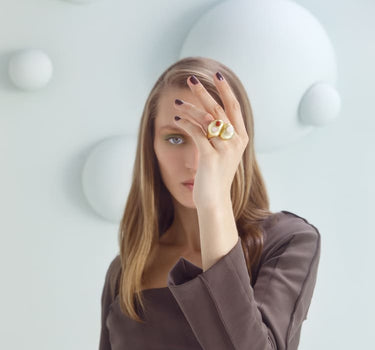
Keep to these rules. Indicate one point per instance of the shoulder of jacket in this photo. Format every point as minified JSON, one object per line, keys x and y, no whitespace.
{"x":282,"y":226}
{"x":299,"y":224}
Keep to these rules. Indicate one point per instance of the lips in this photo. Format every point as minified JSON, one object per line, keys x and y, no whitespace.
{"x":190,"y":182}
{"x":190,"y":186}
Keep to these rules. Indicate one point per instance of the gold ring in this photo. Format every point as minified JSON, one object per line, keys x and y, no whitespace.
{"x":218,"y":128}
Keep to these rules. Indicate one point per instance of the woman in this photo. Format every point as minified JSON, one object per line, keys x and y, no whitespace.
{"x":206,"y":265}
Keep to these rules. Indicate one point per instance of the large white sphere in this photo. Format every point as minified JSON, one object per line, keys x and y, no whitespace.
{"x":30,"y":69}
{"x":106,"y":176}
{"x":279,"y":50}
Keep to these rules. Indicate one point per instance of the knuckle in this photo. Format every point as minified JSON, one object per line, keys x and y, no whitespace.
{"x":244,"y":142}
{"x":217,"y":109}
{"x":208,"y":118}
{"x":236,"y":105}
{"x":244,"y":137}
{"x":188,"y":106}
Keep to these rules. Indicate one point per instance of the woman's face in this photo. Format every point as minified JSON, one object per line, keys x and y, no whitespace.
{"x":175,"y":150}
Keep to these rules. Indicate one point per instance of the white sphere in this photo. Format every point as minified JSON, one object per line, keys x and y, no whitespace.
{"x":106,"y":176}
{"x":320,"y":105}
{"x":278,"y":49}
{"x":30,"y":69}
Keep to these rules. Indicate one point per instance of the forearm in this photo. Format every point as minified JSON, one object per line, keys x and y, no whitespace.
{"x":218,"y":231}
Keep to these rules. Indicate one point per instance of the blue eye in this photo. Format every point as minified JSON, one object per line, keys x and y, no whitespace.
{"x":174,"y":137}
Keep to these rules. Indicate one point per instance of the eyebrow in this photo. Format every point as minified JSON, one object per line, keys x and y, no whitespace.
{"x":170,"y":127}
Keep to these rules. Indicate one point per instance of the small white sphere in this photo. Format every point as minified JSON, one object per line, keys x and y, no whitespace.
{"x":30,"y":69}
{"x":320,"y":105}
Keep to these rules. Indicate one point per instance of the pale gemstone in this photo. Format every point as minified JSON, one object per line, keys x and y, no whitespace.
{"x":228,"y":131}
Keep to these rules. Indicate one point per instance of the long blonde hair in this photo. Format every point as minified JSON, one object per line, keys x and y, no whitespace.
{"x":149,"y":209}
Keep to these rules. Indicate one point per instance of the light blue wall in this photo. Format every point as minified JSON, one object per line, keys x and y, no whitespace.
{"x":54,"y":250}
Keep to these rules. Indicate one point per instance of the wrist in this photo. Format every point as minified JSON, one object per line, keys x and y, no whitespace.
{"x":216,"y":203}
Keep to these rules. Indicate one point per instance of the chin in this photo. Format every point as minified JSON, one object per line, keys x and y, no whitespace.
{"x":191,"y":206}
{"x":188,"y":204}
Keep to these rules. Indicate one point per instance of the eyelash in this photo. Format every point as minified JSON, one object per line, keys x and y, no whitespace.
{"x":172,"y":137}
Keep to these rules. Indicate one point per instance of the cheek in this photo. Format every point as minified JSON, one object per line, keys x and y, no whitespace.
{"x":169,"y":157}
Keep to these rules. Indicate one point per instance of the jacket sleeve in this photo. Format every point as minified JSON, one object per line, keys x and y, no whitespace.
{"x":226,"y":312}
{"x":108,"y":296}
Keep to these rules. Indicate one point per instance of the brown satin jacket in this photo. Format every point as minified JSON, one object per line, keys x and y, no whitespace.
{"x":221,"y":308}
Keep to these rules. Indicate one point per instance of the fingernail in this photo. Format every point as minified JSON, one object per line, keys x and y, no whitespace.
{"x":219,"y":76}
{"x":178,"y":101}
{"x":177,"y":118}
{"x":194,"y":80}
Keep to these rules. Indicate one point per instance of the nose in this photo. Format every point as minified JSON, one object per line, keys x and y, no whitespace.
{"x":192,"y":158}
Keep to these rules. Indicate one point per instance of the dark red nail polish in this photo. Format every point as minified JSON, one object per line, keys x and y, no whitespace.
{"x":194,"y":80}
{"x":177,"y":117}
{"x":219,"y":76}
{"x":178,"y":101}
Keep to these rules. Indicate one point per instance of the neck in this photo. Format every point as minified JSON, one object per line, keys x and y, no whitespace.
{"x":184,"y":231}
